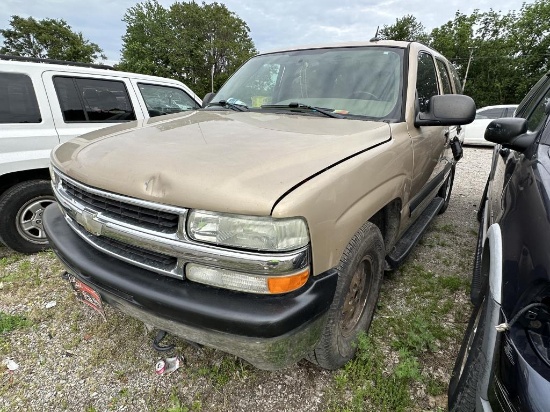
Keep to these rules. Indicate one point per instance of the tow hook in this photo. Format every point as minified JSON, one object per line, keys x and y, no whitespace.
{"x":161,"y":334}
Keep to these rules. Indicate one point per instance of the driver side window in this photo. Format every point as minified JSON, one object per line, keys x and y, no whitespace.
{"x":426,"y":81}
{"x":537,"y":113}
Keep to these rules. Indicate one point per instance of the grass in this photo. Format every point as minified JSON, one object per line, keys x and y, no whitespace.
{"x":370,"y":386}
{"x":224,"y":370}
{"x":410,"y":335}
{"x":176,"y":405}
{"x":394,"y":360}
{"x":12,"y":322}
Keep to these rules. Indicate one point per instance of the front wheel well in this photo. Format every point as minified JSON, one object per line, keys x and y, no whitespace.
{"x":11,"y":179}
{"x":387,"y":220}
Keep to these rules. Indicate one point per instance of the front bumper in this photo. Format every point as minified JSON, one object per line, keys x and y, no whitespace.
{"x":270,"y":332}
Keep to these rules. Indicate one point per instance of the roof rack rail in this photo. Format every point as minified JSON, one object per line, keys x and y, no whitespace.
{"x":53,"y":61}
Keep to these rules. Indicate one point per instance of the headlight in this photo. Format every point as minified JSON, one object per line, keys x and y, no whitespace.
{"x":53,"y":175}
{"x":247,"y":232}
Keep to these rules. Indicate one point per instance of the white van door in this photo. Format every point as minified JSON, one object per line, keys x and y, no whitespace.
{"x":83,"y":102}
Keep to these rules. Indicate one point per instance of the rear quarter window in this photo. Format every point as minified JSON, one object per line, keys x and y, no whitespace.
{"x":445,"y":78}
{"x":18,"y":99}
{"x":456,"y":80}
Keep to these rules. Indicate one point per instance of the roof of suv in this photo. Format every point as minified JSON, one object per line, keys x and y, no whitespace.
{"x":382,"y":43}
{"x":372,"y":43}
{"x":72,"y":67}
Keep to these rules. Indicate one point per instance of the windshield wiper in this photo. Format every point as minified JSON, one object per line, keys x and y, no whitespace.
{"x":231,"y":104}
{"x":296,"y":105}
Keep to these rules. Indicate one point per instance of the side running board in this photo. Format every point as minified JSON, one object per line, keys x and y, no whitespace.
{"x":413,"y":234}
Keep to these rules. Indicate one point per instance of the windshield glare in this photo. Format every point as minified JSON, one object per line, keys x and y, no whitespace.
{"x":362,"y":81}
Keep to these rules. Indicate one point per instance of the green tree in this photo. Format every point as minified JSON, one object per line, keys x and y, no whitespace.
{"x":407,"y":28}
{"x":185,"y":41}
{"x":47,"y":38}
{"x":504,"y":54}
{"x":530,"y":40}
{"x":479,"y":45}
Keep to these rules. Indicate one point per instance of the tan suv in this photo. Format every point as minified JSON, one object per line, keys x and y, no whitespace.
{"x":262,"y":224}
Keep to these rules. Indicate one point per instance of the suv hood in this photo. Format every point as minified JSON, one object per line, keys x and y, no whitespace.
{"x":221,"y":161}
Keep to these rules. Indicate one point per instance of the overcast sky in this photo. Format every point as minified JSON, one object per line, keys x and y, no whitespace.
{"x":272,"y":23}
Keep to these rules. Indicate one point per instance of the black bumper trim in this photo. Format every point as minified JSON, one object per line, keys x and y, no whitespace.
{"x":249,"y":315}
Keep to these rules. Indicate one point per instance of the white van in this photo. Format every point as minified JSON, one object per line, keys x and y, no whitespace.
{"x":46,"y":102}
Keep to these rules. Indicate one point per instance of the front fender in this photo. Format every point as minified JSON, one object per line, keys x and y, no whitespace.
{"x":491,"y":264}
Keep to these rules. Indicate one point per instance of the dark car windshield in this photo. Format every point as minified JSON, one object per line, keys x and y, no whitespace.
{"x":352,"y":81}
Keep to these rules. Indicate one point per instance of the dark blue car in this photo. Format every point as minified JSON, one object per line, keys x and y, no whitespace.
{"x":504,"y":361}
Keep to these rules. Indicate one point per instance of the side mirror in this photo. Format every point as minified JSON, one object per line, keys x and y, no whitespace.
{"x":447,"y":110}
{"x":207,"y":99}
{"x":510,"y":132}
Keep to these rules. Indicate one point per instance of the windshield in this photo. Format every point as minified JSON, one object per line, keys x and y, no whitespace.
{"x":353,"y":81}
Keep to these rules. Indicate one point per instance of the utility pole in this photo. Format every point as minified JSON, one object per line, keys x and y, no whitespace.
{"x":212,"y":78}
{"x":213,"y":65}
{"x":467,"y":68}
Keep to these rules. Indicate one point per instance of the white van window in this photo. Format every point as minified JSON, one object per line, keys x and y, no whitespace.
{"x":93,"y":100}
{"x":19,"y":104}
{"x":165,"y":99}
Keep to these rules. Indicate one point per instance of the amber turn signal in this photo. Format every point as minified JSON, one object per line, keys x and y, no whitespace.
{"x":283,"y":284}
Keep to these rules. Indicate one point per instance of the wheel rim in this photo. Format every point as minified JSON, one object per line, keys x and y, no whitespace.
{"x":356,"y":297}
{"x":29,"y":221}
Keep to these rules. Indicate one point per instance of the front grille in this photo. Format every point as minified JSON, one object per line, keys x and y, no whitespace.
{"x":146,"y":218}
{"x":145,"y":257}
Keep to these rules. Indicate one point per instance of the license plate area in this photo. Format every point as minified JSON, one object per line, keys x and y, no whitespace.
{"x":86,"y":294}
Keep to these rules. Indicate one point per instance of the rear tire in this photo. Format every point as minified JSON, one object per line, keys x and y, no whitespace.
{"x":446,"y":189}
{"x":360,"y":273}
{"x":470,"y":363}
{"x":21,"y":209}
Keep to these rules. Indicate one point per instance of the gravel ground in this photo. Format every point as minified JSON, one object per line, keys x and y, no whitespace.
{"x":69,"y":359}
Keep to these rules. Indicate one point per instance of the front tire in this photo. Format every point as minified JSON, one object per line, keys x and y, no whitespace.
{"x":360,"y":273}
{"x":21,"y":209}
{"x":470,"y":363}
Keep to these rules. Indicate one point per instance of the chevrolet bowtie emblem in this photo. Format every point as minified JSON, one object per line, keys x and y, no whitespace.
{"x":88,"y":220}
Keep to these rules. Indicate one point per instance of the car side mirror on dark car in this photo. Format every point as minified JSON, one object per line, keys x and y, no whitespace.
{"x":447,"y":110}
{"x":510,"y":132}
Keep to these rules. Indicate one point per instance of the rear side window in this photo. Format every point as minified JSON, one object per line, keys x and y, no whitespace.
{"x":165,"y":99}
{"x":510,"y":112}
{"x":93,"y":100}
{"x":445,"y":80}
{"x":18,"y":99}
{"x":426,"y":82}
{"x":495,"y":113}
{"x":456,"y":80}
